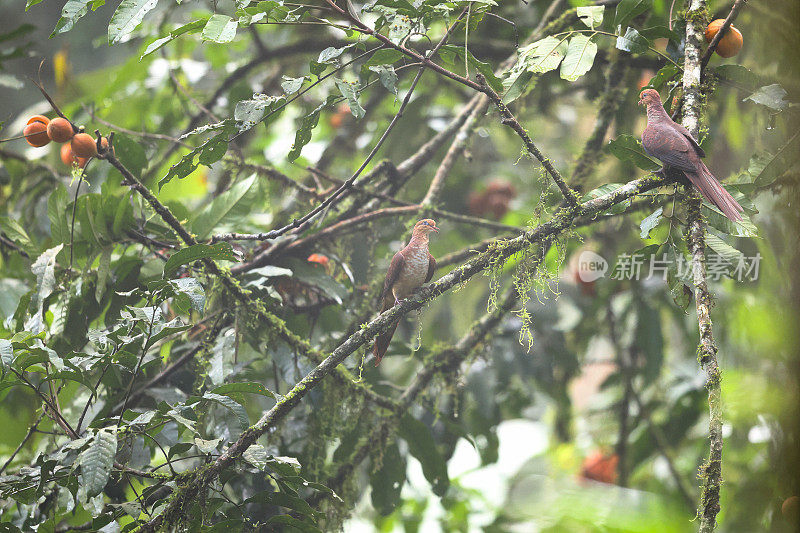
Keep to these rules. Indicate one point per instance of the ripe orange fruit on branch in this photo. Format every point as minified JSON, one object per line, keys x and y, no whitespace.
{"x":83,"y":145}
{"x":731,"y":42}
{"x":60,"y":130}
{"x":35,"y":131}
{"x":69,"y":158}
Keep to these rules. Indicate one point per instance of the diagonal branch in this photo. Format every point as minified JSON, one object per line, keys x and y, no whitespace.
{"x":510,"y":120}
{"x":499,"y":253}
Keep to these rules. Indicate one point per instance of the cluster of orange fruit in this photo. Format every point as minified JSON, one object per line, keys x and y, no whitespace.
{"x":78,"y":147}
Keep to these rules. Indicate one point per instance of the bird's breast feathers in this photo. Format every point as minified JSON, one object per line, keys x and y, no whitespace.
{"x":413,"y":274}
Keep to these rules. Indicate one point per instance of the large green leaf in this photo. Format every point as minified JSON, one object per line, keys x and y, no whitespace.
{"x":127,"y":17}
{"x":220,"y":250}
{"x":632,"y":42}
{"x":388,"y":480}
{"x":627,"y":9}
{"x":580,"y":57}
{"x":220,"y":29}
{"x":422,"y":446}
{"x":96,"y":461}
{"x":350,"y":92}
{"x":234,"y":202}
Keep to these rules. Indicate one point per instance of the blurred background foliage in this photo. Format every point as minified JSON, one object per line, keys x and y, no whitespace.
{"x":586,"y":411}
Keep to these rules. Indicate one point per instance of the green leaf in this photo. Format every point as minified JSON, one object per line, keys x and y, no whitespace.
{"x":538,"y":57}
{"x":130,"y":153}
{"x":771,"y":96}
{"x":650,"y":222}
{"x":220,"y":29}
{"x":663,"y":76}
{"x":96,"y":461}
{"x":628,"y":148}
{"x":17,"y":233}
{"x":422,"y":446}
{"x":632,"y":42}
{"x":228,"y":402}
{"x":220,"y":250}
{"x":250,"y":387}
{"x":350,"y":91}
{"x":388,"y":480}
{"x":206,"y":154}
{"x":776,"y":165}
{"x":292,"y":85}
{"x":543,"y":55}
{"x":44,"y":270}
{"x":592,"y":16}
{"x":728,"y":253}
{"x":127,"y":17}
{"x":224,"y":207}
{"x":192,"y":27}
{"x":303,"y":134}
{"x":6,"y":355}
{"x":580,"y":57}
{"x":286,"y":520}
{"x":738,"y":74}
{"x":387,"y":76}
{"x":739,"y":228}
{"x":190,"y":288}
{"x":649,"y":338}
{"x":260,"y":108}
{"x":627,"y":9}
{"x":384,"y":56}
{"x":288,"y":501}
{"x":73,"y":10}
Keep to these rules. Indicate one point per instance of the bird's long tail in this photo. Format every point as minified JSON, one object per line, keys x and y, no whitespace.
{"x":715,"y":193}
{"x":382,"y":341}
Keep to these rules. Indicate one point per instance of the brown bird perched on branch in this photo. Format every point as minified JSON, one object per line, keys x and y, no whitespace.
{"x":675,"y":147}
{"x":410,"y":268}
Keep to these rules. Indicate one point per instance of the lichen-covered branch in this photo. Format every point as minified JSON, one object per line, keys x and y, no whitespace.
{"x":711,"y":471}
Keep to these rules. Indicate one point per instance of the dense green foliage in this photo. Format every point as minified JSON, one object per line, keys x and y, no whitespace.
{"x":165,"y":312}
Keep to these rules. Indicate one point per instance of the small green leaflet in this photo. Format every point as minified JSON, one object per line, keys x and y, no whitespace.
{"x":303,"y":134}
{"x":72,"y":11}
{"x":387,"y":76}
{"x":580,"y":56}
{"x":192,"y":27}
{"x":127,"y":17}
{"x":206,"y":154}
{"x":592,"y":16}
{"x":350,"y":91}
{"x":650,"y":222}
{"x":220,"y":29}
{"x":220,"y":250}
{"x":224,"y":207}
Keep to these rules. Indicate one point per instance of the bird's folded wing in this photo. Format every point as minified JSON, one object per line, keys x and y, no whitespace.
{"x":431,"y":268}
{"x":669,"y":146}
{"x":392,"y":275}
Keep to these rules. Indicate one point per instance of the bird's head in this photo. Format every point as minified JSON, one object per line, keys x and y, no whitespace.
{"x":425,"y":226}
{"x":649,"y":96}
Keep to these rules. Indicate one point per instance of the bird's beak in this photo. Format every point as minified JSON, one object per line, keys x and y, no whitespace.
{"x":641,"y":102}
{"x":434,"y":228}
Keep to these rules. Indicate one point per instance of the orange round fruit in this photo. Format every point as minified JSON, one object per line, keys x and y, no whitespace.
{"x":39,"y":118}
{"x":36,"y":134}
{"x":83,"y":145}
{"x":60,"y":130}
{"x":69,"y":158}
{"x":731,"y":42}
{"x":791,"y":509}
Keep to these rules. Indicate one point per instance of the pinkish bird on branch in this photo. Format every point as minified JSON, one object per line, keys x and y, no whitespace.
{"x":675,"y":147}
{"x":410,"y":268}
